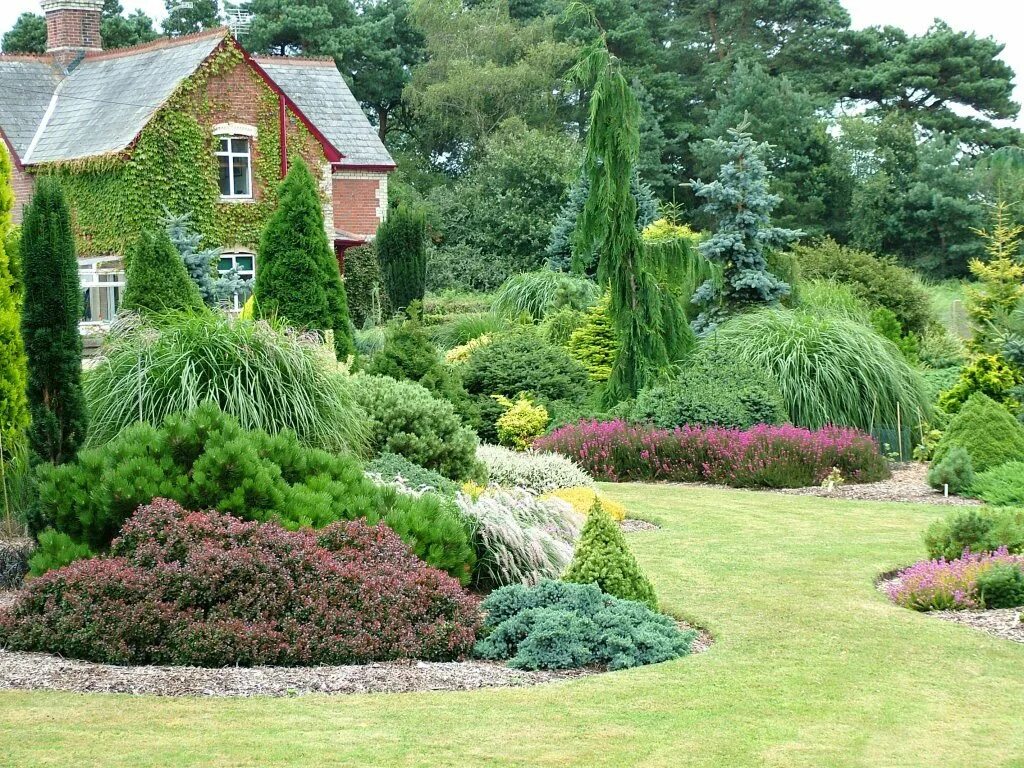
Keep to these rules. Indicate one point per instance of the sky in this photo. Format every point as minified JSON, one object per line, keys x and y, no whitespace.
{"x":1001,"y":19}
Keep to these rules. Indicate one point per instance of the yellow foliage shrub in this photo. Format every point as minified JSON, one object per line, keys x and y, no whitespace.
{"x":460,"y":354}
{"x":521,"y":422}
{"x":582,"y":499}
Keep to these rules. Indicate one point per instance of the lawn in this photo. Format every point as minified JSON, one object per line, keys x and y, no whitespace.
{"x":812,"y":667}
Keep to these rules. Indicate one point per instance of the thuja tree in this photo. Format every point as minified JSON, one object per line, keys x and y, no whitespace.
{"x":298,"y":278}
{"x":13,"y":403}
{"x":560,"y":245}
{"x":740,"y":205}
{"x":646,"y":318}
{"x":201,"y":263}
{"x":402,"y":252}
{"x":156,"y":280}
{"x":49,"y":325}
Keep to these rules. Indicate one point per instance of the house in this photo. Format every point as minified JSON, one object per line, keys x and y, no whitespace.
{"x":194,"y":125}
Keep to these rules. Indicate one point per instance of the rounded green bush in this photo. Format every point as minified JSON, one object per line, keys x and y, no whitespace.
{"x":987,"y":431}
{"x":522,"y":361}
{"x":955,"y":470}
{"x":1002,"y":586}
{"x":713,"y":389}
{"x":266,"y":378}
{"x":830,"y":370}
{"x":404,"y":418}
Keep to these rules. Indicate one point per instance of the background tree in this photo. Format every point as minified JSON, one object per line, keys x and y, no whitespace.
{"x":309,"y":27}
{"x":186,"y":18}
{"x":14,"y":418}
{"x":402,"y":252}
{"x":740,"y":205}
{"x":28,"y":35}
{"x":298,"y":278}
{"x":156,"y":279}
{"x":648,"y":321}
{"x":50,"y":315}
{"x":116,"y":31}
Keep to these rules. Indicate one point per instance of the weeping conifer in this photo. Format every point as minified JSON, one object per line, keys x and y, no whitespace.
{"x":649,"y":321}
{"x":49,"y":324}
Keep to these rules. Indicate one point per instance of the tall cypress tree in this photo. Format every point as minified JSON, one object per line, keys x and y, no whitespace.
{"x":646,"y":317}
{"x":402,"y":252}
{"x":49,"y":326}
{"x":297,"y":275}
{"x":14,"y":418}
{"x":156,"y":279}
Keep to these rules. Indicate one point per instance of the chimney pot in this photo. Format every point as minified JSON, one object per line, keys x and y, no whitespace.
{"x":72,"y":28}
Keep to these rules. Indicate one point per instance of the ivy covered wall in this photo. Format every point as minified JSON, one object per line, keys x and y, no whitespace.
{"x":173,"y":164}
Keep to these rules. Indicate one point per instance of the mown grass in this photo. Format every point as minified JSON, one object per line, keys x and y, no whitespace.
{"x":812,"y":667}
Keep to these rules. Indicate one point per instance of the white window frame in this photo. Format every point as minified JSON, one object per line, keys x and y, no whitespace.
{"x":231,"y":156}
{"x":236,"y":302}
{"x":102,"y":279}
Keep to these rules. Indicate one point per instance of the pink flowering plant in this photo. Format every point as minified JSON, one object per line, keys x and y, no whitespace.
{"x":947,"y":585}
{"x":764,"y":456}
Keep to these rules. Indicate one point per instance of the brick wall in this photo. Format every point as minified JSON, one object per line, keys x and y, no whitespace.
{"x":71,"y":31}
{"x":24,"y":185}
{"x":360,"y":201}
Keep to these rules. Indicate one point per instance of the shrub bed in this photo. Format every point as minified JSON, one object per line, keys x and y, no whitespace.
{"x":972,"y":530}
{"x":207,"y":589}
{"x":556,"y":625}
{"x":764,"y":456}
{"x":537,"y":472}
{"x":944,"y":585}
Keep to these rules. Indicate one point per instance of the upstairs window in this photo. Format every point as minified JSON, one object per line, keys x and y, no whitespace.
{"x":235,"y":158}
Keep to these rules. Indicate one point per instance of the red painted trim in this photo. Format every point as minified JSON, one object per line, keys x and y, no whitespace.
{"x":332,"y":153}
{"x":11,"y":152}
{"x":282,"y":118}
{"x":367,"y":168}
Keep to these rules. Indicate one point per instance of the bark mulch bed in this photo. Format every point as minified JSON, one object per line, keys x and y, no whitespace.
{"x":907,"y":484}
{"x":44,"y":672}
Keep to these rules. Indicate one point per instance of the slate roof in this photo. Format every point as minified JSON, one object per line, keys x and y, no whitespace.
{"x":319,"y":90}
{"x":108,"y":98}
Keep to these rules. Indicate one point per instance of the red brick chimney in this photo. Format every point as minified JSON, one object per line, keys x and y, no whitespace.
{"x":72,"y":28}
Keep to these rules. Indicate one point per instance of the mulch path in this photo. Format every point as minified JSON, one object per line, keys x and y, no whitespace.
{"x":907,"y":484}
{"x":45,"y":672}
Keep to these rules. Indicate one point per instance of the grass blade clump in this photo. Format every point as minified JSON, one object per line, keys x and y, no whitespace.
{"x":539,"y":293}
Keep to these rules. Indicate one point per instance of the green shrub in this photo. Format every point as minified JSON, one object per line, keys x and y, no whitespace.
{"x":266,"y":378}
{"x":830,"y":370}
{"x":713,"y":389}
{"x":594,"y":343}
{"x":987,"y":431}
{"x":558,"y":327}
{"x":55,"y":550}
{"x":938,"y":380}
{"x":555,"y":625}
{"x":404,"y":418}
{"x":521,"y":361}
{"x":955,"y":470}
{"x":1001,"y":486}
{"x":876,"y":280}
{"x":391,"y":467}
{"x":538,"y":294}
{"x":984,"y":530}
{"x":989,"y":374}
{"x":364,"y":287}
{"x":156,"y":280}
{"x":603,"y":558}
{"x":402,"y":252}
{"x":465,"y":328}
{"x":522,"y":422}
{"x":940,"y":349}
{"x":206,"y":460}
{"x":1002,"y":586}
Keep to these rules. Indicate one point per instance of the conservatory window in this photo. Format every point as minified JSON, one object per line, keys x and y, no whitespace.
{"x":102,"y":281}
{"x":235,"y":159}
{"x":244,"y":265}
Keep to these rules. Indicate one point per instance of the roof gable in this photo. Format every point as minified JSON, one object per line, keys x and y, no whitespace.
{"x":27,"y":85}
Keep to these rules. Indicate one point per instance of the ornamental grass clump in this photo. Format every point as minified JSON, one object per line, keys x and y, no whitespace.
{"x":556,"y":625}
{"x":948,"y":585}
{"x":536,"y":472}
{"x":519,"y":538}
{"x":603,"y":558}
{"x":207,"y":589}
{"x":265,"y":377}
{"x":764,"y":456}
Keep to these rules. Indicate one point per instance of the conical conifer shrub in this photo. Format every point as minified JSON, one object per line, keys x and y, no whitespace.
{"x":156,"y":278}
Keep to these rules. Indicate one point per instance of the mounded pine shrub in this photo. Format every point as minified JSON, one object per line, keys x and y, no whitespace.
{"x":207,"y":589}
{"x":156,"y":280}
{"x":603,"y":558}
{"x":764,"y":456}
{"x":204,"y":459}
{"x":402,"y":252}
{"x":50,"y":313}
{"x":954,"y":470}
{"x":555,"y":625}
{"x":975,"y":530}
{"x":265,"y":377}
{"x":298,"y":279}
{"x":1001,"y":486}
{"x":987,"y":431}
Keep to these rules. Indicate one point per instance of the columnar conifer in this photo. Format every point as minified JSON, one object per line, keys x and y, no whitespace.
{"x":402,"y":251}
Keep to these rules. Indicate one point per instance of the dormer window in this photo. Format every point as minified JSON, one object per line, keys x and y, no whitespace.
{"x":235,"y":158}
